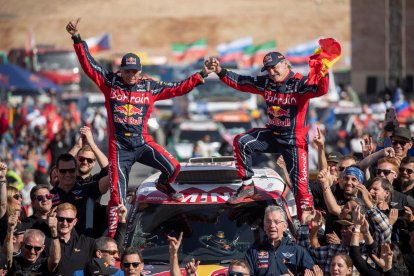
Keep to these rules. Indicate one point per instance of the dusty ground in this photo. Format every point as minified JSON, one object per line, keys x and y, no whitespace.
{"x":152,"y":25}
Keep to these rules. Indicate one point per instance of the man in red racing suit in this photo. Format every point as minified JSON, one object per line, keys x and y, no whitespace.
{"x":129,"y":101}
{"x":287,"y":96}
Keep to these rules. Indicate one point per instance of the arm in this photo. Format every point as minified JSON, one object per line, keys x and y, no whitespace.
{"x":173,"y":250}
{"x":55,"y":251}
{"x":121,"y":229}
{"x":8,"y":243}
{"x":328,"y":196}
{"x":3,"y":189}
{"x":100,"y":156}
{"x":76,"y":147}
{"x":322,"y":162}
{"x":104,"y":184}
{"x":372,"y":158}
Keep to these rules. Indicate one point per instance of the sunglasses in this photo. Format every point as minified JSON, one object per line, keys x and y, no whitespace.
{"x":341,"y":169}
{"x":134,"y":264}
{"x":17,"y":196}
{"x":385,"y":172}
{"x":43,"y":197}
{"x":110,"y":252}
{"x":62,"y":219}
{"x":30,"y":247}
{"x":234,"y":273}
{"x":409,"y":171}
{"x":401,"y":143}
{"x":64,"y":171}
{"x":82,"y":159}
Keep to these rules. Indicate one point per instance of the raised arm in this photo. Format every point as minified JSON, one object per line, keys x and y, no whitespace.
{"x":319,"y":141}
{"x":3,"y":189}
{"x":8,"y":242}
{"x":100,"y":156}
{"x":55,"y":251}
{"x":330,"y":201}
{"x":173,"y":250}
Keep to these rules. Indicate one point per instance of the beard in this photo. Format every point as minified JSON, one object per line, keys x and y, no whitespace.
{"x":406,"y":183}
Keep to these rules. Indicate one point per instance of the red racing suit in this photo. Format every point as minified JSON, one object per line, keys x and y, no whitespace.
{"x":287,"y":130}
{"x":129,"y":108}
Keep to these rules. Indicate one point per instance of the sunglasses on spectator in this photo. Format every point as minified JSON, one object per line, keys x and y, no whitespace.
{"x":30,"y":247}
{"x":409,"y":171}
{"x":110,"y":252}
{"x":17,"y":196}
{"x":385,"y":172}
{"x":134,"y":264}
{"x":234,"y":273}
{"x":401,"y":143}
{"x":62,"y":219}
{"x":64,"y":171}
{"x":341,"y":169}
{"x":83,"y":159}
{"x":43,"y":197}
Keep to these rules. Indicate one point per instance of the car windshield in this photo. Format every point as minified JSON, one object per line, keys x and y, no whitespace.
{"x":215,"y":91}
{"x":57,"y":60}
{"x":196,"y":135}
{"x":214,"y":233}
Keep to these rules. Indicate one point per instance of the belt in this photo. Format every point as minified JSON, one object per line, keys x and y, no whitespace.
{"x":129,"y":134}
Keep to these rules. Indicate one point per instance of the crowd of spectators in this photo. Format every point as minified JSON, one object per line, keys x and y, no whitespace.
{"x":51,"y":221}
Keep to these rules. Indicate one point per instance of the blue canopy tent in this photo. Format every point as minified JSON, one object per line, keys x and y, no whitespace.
{"x":22,"y":82}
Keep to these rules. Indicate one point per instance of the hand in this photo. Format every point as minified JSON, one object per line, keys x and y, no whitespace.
{"x":323,"y":177}
{"x":52,"y":221}
{"x":122,"y":213}
{"x":12,"y":221}
{"x":408,"y":214}
{"x":72,"y":27}
{"x":366,"y":196}
{"x":317,"y":271}
{"x":87,"y":133}
{"x":385,"y":260}
{"x":307,"y":215}
{"x":393,"y":216}
{"x":215,"y":65}
{"x":174,"y":244}
{"x":333,"y":238}
{"x":357,"y":216}
{"x":208,"y":67}
{"x":318,"y":220}
{"x":367,"y":146}
{"x":3,"y":171}
{"x":389,"y":152}
{"x":318,"y":139}
{"x":365,"y":226}
{"x":191,"y":267}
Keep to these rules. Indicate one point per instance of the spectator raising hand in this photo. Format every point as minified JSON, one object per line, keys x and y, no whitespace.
{"x":385,"y":259}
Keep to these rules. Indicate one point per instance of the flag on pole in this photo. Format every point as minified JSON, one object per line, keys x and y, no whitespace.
{"x":192,"y":51}
{"x":300,"y":53}
{"x":30,"y":43}
{"x":254,"y":54}
{"x":234,"y":50}
{"x":99,"y":43}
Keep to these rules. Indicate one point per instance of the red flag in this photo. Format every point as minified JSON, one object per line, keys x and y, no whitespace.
{"x":324,"y":58}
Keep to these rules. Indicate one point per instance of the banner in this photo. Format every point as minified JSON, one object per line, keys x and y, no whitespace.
{"x":192,"y":51}
{"x":99,"y":43}
{"x":300,"y":53}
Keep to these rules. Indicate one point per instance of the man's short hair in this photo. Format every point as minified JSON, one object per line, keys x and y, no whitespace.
{"x":407,"y":160}
{"x":240,"y":262}
{"x":85,"y":148}
{"x":390,"y":160}
{"x":66,"y":206}
{"x":37,"y":188}
{"x":275,"y":208}
{"x":102,"y":242}
{"x":65,"y":157}
{"x":385,"y":184}
{"x":35,"y":233}
{"x":131,"y":251}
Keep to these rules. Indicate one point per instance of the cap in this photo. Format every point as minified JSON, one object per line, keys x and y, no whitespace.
{"x":131,"y":61}
{"x":20,"y":229}
{"x":402,"y":132}
{"x":334,"y":157}
{"x":99,"y":267}
{"x":271,"y":59}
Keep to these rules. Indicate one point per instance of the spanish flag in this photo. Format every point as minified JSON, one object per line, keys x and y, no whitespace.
{"x":324,"y":57}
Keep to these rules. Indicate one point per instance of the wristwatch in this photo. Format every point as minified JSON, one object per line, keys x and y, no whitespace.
{"x":356,"y":230}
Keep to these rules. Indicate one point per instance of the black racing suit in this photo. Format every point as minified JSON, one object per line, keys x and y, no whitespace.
{"x":129,"y":108}
{"x":287,"y":129}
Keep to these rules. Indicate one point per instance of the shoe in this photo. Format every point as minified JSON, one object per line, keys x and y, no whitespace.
{"x":168,"y":190}
{"x":245,"y":191}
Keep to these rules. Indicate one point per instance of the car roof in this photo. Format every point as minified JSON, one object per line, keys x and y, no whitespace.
{"x":213,"y":180}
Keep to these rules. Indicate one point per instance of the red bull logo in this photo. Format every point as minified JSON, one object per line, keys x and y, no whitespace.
{"x":131,"y":60}
{"x":128,"y":110}
{"x":267,"y":59}
{"x":277,"y":111}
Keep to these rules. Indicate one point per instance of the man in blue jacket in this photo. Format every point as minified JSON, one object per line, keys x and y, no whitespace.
{"x":277,"y":255}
